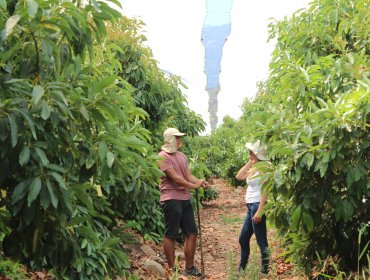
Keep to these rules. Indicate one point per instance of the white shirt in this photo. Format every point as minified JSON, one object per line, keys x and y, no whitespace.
{"x":253,"y":193}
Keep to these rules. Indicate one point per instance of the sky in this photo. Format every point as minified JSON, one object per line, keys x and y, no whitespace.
{"x":174,"y":28}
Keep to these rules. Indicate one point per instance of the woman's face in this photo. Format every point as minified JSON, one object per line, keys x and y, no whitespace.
{"x":252,"y":156}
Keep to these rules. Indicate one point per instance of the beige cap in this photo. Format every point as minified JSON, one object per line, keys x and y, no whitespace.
{"x":258,"y":150}
{"x":169,"y":135}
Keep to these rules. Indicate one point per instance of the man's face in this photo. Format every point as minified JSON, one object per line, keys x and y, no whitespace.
{"x":179,"y":142}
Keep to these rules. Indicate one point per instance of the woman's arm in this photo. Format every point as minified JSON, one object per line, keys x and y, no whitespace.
{"x":246,"y":171}
{"x":258,"y":215}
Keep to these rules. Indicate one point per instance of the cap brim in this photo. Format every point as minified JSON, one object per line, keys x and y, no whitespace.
{"x":262,"y":157}
{"x":249,"y":146}
{"x":179,"y":134}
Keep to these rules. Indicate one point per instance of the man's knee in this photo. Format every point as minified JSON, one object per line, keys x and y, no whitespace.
{"x":192,"y":235}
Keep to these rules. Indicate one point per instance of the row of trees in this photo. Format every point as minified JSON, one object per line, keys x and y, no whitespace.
{"x":313,"y":113}
{"x":82,"y":109}
{"x":83,"y":106}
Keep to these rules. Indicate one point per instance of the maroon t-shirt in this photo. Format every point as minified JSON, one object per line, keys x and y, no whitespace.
{"x":169,"y":189}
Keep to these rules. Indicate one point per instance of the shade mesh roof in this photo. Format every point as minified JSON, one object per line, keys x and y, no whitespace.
{"x":216,"y":29}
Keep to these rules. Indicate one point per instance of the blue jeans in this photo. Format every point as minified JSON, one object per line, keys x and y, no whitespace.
{"x":260,"y":230}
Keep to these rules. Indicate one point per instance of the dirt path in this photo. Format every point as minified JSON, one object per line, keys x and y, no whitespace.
{"x":221,"y":221}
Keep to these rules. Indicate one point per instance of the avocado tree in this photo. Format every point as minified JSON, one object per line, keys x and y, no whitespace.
{"x":313,"y":112}
{"x":72,"y":138}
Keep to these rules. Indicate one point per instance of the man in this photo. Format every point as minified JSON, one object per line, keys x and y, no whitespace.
{"x":175,"y":200}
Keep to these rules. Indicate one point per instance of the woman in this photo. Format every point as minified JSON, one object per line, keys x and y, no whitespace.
{"x":255,"y":220}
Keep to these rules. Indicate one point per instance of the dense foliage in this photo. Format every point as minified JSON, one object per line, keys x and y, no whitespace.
{"x":313,"y":113}
{"x":316,"y":123}
{"x":75,"y":150}
{"x":221,"y":152}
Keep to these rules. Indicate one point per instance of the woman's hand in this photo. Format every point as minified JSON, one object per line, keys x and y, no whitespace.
{"x":257,"y":218}
{"x":244,"y":171}
{"x":252,"y":160}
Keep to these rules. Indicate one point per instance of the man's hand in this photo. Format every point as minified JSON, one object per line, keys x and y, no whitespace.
{"x":199,"y":183}
{"x":206,"y":185}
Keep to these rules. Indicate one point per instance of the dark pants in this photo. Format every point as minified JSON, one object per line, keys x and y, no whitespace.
{"x":249,"y":227}
{"x":178,"y":214}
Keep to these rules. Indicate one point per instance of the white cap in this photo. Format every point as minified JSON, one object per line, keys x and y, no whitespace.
{"x":169,"y":135}
{"x":258,"y":150}
{"x":169,"y":132}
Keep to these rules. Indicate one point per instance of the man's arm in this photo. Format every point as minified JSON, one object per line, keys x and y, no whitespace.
{"x":191,"y":184}
{"x":194,"y":179}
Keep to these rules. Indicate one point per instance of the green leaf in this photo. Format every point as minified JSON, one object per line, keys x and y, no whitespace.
{"x":44,"y":198}
{"x":117,"y":2}
{"x":37,"y":92}
{"x":105,"y":83}
{"x":305,"y":74}
{"x":323,"y":168}
{"x":3,"y":4}
{"x":306,"y":140}
{"x":103,"y":149}
{"x":322,"y":102}
{"x":66,"y":198}
{"x":136,"y":143}
{"x":308,"y":130}
{"x":84,"y":197}
{"x":53,"y":196}
{"x":59,"y":179}
{"x":89,"y":234}
{"x":349,"y":178}
{"x":34,"y":190}
{"x":9,"y":26}
{"x":110,"y":159}
{"x":56,"y":167}
{"x":42,"y":156}
{"x":296,"y":216}
{"x":83,"y":243}
{"x":347,"y":210}
{"x":310,"y":159}
{"x":13,"y":131}
{"x":29,"y":121}
{"x":19,"y":192}
{"x":84,"y":112}
{"x":45,"y":111}
{"x":307,"y":221}
{"x":130,"y":187}
{"x":90,"y":161}
{"x":32,"y":8}
{"x":24,"y":156}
